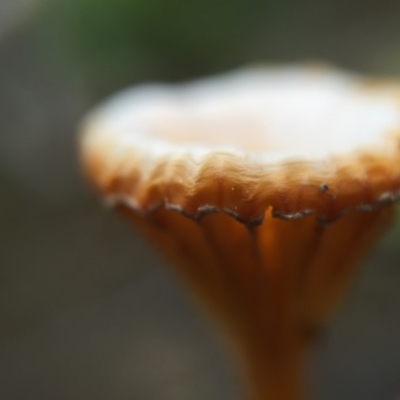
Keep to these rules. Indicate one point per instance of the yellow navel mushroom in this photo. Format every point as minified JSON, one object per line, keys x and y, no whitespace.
{"x":264,"y":187}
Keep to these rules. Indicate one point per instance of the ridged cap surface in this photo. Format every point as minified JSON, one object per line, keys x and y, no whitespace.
{"x":300,"y":140}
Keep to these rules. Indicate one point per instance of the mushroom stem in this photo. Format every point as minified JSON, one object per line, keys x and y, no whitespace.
{"x":277,"y":377}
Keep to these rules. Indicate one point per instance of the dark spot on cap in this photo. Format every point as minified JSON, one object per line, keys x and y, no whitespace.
{"x":324,"y":188}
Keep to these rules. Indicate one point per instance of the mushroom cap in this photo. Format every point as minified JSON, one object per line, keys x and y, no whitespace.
{"x":300,"y":140}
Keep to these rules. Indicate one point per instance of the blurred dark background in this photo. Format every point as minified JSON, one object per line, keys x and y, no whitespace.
{"x":87,"y":310}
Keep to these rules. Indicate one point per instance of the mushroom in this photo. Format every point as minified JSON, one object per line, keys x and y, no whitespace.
{"x":265,"y":187}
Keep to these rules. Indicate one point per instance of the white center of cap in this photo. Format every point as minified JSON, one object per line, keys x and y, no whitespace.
{"x":285,"y":112}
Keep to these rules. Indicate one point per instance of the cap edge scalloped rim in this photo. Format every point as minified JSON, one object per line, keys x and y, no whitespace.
{"x":386,"y":199}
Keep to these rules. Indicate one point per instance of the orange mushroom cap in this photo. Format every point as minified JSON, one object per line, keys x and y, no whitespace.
{"x":298,"y":140}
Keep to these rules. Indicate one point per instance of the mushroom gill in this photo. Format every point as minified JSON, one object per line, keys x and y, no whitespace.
{"x":265,"y":188}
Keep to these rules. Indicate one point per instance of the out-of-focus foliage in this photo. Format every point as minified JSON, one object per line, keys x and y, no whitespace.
{"x":118,"y":42}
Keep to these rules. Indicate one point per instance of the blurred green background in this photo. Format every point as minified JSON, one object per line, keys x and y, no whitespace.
{"x":87,"y":310}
